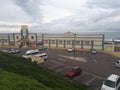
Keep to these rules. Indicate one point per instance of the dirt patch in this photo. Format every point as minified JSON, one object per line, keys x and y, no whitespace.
{"x":117,"y":54}
{"x":76,"y":58}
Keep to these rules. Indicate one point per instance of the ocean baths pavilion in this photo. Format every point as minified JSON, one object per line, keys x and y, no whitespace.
{"x":26,"y":39}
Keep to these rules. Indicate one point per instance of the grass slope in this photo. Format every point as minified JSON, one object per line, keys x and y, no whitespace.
{"x":22,"y":74}
{"x":11,"y":81}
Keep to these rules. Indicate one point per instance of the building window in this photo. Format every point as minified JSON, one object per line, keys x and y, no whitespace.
{"x":17,"y":37}
{"x":77,"y":42}
{"x":11,"y":42}
{"x":6,"y":41}
{"x":60,"y":42}
{"x":53,"y":41}
{"x":46,"y":41}
{"x":87,"y":42}
{"x":32,"y":37}
{"x":23,"y":36}
{"x":68,"y":42}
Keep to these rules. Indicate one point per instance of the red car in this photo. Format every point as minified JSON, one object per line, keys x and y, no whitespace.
{"x":74,"y":71}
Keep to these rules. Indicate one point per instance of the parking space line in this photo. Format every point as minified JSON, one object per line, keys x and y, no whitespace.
{"x":54,"y":66}
{"x":61,"y":59}
{"x":56,"y":62}
{"x":90,"y":80}
{"x":95,"y":75}
{"x":61,"y":69}
{"x":83,"y":71}
{"x":60,"y":63}
{"x":79,"y":76}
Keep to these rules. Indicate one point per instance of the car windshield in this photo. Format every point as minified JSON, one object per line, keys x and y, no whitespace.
{"x":109,"y":83}
{"x":94,"y":50}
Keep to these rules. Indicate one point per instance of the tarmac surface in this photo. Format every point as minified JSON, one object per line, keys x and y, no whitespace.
{"x":95,"y":67}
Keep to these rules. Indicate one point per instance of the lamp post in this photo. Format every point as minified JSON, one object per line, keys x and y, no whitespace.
{"x":74,"y":46}
{"x":43,"y":40}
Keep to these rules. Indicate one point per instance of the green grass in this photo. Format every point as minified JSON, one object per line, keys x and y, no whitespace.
{"x":21,"y":74}
{"x":11,"y":81}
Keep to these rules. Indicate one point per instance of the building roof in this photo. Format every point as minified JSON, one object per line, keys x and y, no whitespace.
{"x":70,"y":34}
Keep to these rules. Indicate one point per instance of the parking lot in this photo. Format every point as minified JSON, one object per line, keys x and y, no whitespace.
{"x":95,"y":67}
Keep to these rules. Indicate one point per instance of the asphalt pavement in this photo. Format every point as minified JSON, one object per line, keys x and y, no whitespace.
{"x":95,"y":67}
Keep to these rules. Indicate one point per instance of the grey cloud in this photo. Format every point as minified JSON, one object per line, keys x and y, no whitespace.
{"x":104,"y":25}
{"x":31,"y":7}
{"x":9,"y":26}
{"x":87,"y":20}
{"x":77,"y":24}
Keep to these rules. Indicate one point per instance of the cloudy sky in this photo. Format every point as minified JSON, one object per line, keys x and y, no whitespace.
{"x":59,"y":16}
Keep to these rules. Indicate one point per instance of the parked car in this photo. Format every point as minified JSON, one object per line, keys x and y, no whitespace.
{"x":73,"y":72}
{"x":93,"y":51}
{"x":32,"y":51}
{"x":117,"y":63}
{"x":25,"y":56}
{"x":42,"y":48}
{"x":43,"y":55}
{"x":13,"y":51}
{"x":70,"y":49}
{"x":111,"y":83}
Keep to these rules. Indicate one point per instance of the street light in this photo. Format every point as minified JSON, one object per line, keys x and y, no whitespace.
{"x":74,"y":46}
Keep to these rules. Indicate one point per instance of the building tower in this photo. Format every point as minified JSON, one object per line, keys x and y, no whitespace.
{"x":24,"y":35}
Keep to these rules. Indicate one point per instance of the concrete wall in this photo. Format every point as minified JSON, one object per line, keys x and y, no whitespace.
{"x":109,"y":47}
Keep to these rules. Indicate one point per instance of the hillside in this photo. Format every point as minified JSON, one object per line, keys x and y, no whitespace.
{"x":21,"y":74}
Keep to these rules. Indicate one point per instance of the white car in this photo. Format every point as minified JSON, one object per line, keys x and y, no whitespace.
{"x":13,"y":51}
{"x":43,"y":55}
{"x":111,"y":83}
{"x":25,"y":56}
{"x":93,"y":51}
{"x":70,"y":49}
{"x":118,"y":64}
{"x":32,"y":51}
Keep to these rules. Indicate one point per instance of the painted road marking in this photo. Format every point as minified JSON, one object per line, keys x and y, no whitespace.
{"x":90,"y":80}
{"x":54,"y":66}
{"x":94,"y":75}
{"x":84,"y":73}
{"x":79,"y":76}
{"x":61,"y":59}
{"x":57,"y":62}
{"x":61,"y":69}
